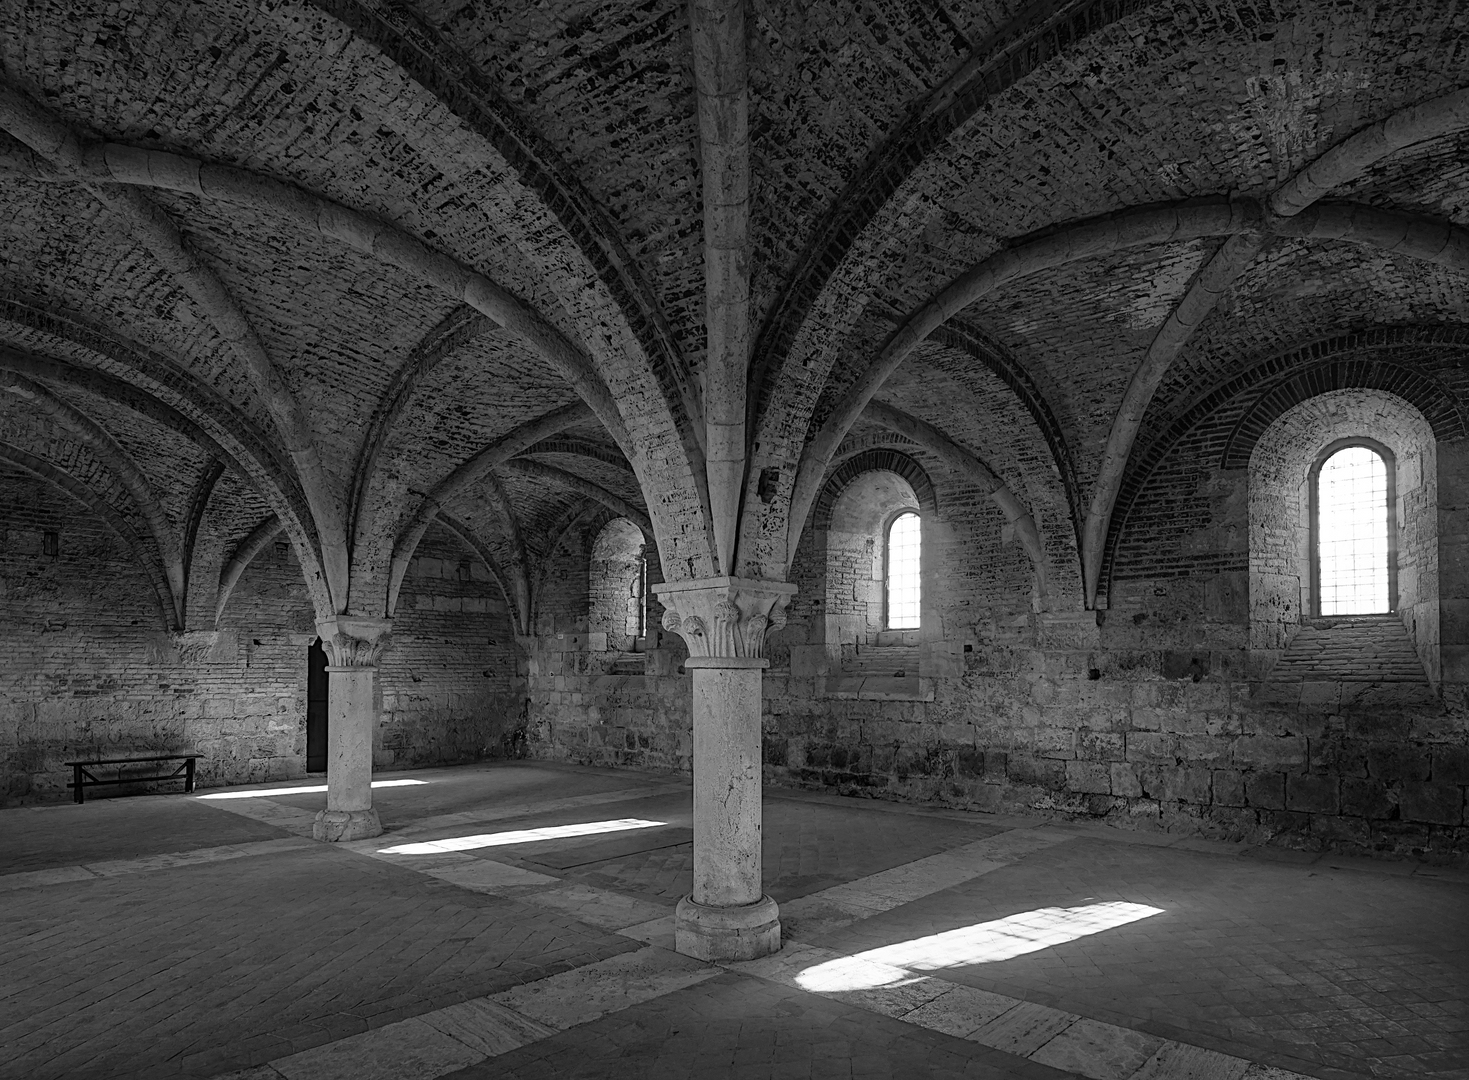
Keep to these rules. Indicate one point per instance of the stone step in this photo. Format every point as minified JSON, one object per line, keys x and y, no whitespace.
{"x":1373,"y":649}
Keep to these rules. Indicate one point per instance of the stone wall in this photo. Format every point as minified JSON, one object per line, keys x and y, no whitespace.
{"x":88,"y":670}
{"x":1153,"y":714}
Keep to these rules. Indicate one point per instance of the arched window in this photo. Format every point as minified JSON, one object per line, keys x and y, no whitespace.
{"x":618,"y":585}
{"x":903,"y":584}
{"x":1352,"y":519}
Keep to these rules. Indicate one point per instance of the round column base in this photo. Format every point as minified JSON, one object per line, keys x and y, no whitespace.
{"x":341,"y":825}
{"x":747,"y":932}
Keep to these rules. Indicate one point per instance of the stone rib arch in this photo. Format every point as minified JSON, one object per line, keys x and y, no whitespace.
{"x":241,"y":558}
{"x":618,"y":505}
{"x":121,"y":465}
{"x":124,"y":165}
{"x":457,"y":329}
{"x":467,"y":536}
{"x":1013,"y":54}
{"x":156,"y":231}
{"x":958,"y":335}
{"x":167,"y":393}
{"x":452,"y":79}
{"x":156,"y":385}
{"x":64,"y":482}
{"x":198,"y":504}
{"x":1410,"y":235}
{"x":478,"y":467}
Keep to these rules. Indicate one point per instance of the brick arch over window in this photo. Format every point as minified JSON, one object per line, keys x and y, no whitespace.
{"x":1427,"y":395}
{"x":1390,"y":359}
{"x":894,"y":461}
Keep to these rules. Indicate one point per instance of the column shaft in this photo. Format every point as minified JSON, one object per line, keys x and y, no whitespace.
{"x":726,"y":785}
{"x":352,"y":716}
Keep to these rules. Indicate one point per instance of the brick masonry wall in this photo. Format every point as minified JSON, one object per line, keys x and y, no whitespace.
{"x":450,"y":686}
{"x":88,"y":670}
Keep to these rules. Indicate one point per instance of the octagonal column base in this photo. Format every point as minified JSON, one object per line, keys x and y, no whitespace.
{"x":747,"y":932}
{"x":335,"y":826}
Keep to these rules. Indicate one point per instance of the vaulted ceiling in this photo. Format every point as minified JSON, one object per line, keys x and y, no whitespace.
{"x":380,"y":263}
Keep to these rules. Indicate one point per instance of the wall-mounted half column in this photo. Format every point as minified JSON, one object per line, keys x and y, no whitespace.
{"x":723,"y":621}
{"x":353,"y":647}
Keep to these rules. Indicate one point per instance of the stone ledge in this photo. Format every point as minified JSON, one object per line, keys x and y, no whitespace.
{"x":876,"y":688}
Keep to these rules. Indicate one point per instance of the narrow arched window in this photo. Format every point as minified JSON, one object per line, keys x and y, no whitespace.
{"x":1352,"y":492}
{"x":904,"y":587}
{"x":637,"y":620}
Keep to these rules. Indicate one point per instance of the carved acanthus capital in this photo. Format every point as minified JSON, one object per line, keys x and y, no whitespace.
{"x":724,"y":617}
{"x":353,"y":641}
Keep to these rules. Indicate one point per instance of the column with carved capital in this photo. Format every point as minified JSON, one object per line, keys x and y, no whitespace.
{"x":723,"y":621}
{"x":353,"y":647}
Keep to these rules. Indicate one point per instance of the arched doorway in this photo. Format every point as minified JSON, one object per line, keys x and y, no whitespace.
{"x":317,"y":684}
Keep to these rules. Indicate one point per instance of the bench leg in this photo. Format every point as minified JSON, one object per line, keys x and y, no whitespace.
{"x":76,"y":775}
{"x":189,"y":775}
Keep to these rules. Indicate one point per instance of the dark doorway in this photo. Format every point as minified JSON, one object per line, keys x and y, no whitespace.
{"x":316,"y":694}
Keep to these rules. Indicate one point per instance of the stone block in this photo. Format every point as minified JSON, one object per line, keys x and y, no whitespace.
{"x":1341,"y":831}
{"x":1125,"y":781}
{"x":1152,"y":748}
{"x":995,"y":766}
{"x":1229,"y":787}
{"x":1088,"y":778}
{"x":1029,"y":769}
{"x":1433,"y":804}
{"x":1313,"y":794}
{"x":1100,"y":745}
{"x":1450,"y":765}
{"x":808,"y":661}
{"x":1055,"y":742}
{"x":969,"y":761}
{"x":1194,"y":666}
{"x":1204,"y":749}
{"x":1391,"y":763}
{"x":1270,"y":752}
{"x":1265,"y":791}
{"x":1367,"y":799}
{"x":1177,"y":784}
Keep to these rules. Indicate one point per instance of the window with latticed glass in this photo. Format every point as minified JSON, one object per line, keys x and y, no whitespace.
{"x":904,"y":588}
{"x":1353,"y":533}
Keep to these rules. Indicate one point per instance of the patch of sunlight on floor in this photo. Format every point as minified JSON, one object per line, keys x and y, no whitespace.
{"x":520,"y":836}
{"x":983,"y":943}
{"x":302,"y":790}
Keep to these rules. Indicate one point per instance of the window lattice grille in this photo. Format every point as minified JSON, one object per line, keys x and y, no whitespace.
{"x":1352,"y":520}
{"x":905,"y":543}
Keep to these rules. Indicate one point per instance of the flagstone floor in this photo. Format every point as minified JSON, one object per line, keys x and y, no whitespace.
{"x":516,"y":921}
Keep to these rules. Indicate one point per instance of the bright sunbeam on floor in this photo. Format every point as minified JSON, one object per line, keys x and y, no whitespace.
{"x":302,"y":790}
{"x":520,"y":836}
{"x":983,"y":943}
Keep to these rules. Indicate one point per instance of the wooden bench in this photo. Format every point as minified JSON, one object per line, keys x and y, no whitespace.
{"x":83,"y":776}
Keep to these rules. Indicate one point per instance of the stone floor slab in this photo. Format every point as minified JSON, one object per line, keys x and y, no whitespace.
{"x":487,"y":1026}
{"x":407,"y":1050}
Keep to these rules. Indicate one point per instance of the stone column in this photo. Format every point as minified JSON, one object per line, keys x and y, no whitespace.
{"x":723,"y":621}
{"x":353,"y":647}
